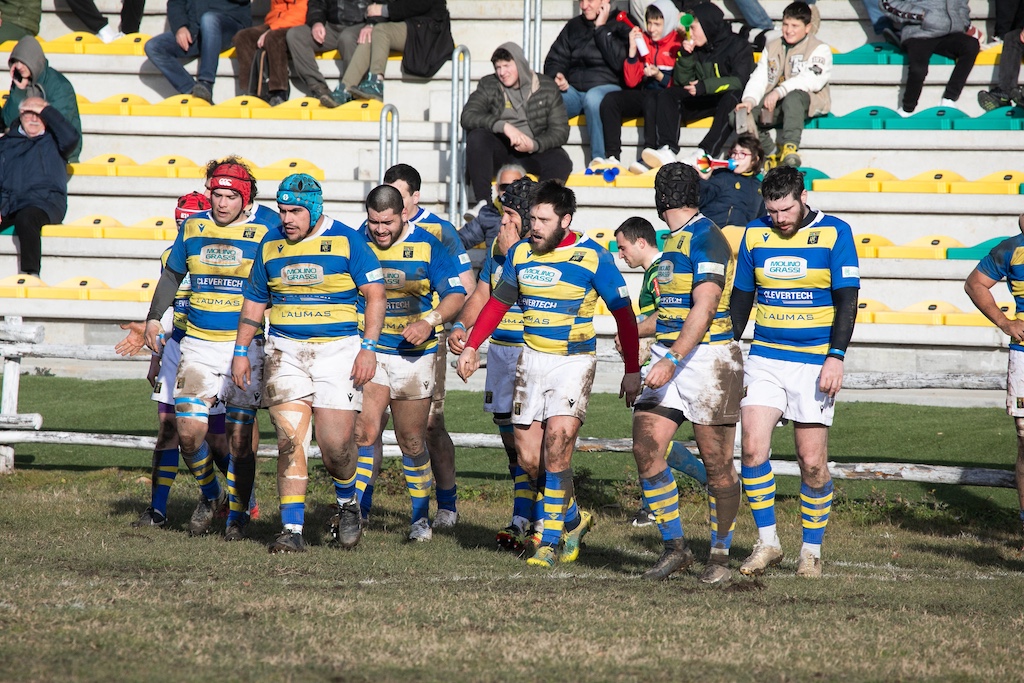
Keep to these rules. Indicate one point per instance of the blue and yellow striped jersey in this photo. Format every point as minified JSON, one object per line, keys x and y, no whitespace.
{"x":794,"y":278}
{"x":693,"y":254}
{"x":312,"y":285}
{"x":415,"y":267}
{"x":510,"y":331}
{"x":558,"y":293}
{"x":1006,"y":260}
{"x":445,"y":233}
{"x":218,"y":259}
{"x":181,"y":297}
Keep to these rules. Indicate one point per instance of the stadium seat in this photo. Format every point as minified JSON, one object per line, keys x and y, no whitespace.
{"x":933,"y":118}
{"x":299,"y":109}
{"x":115,"y":105}
{"x":810,"y":175}
{"x":872,"y":53}
{"x":352,"y":111}
{"x":867,"y":245}
{"x":1000,"y":182}
{"x":990,"y":56}
{"x":864,"y":180}
{"x":975,"y":253}
{"x":86,"y":227}
{"x":163,"y":167}
{"x":642,"y":180}
{"x":734,"y":234}
{"x":240,"y":107}
{"x":132,"y":45}
{"x":279,"y":170}
{"x":176,"y":105}
{"x":866,"y":309}
{"x":70,"y":43}
{"x":105,"y":164}
{"x":154,"y":223}
{"x":588,"y":180}
{"x":936,"y":181}
{"x":866,"y":118}
{"x":17,"y":286}
{"x":72,"y":288}
{"x":922,"y":313}
{"x":977,"y":318}
{"x":930,"y":247}
{"x":136,"y":290}
{"x":1003,"y":118}
{"x":603,"y":236}
{"x":134,"y":232}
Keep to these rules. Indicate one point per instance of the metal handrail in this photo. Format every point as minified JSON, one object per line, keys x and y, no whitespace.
{"x":532,"y":23}
{"x":457,"y":201}
{"x":388,"y":150}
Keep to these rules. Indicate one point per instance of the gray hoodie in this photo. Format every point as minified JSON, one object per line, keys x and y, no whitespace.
{"x":515,"y":98}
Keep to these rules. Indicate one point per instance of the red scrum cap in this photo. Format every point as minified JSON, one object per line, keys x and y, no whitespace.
{"x":229,"y":176}
{"x":191,"y":203}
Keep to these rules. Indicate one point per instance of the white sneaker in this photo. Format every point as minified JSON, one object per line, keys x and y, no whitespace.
{"x":596,"y":162}
{"x":445,"y":519}
{"x":109,"y":35}
{"x":638,"y":167}
{"x":904,"y":113}
{"x":656,"y":158}
{"x":948,"y":104}
{"x":420,"y":530}
{"x":473,"y":211}
{"x":691,"y":159}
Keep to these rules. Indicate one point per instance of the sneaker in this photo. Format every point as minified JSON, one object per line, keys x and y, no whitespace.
{"x":993,"y":99}
{"x":892,"y":37}
{"x":789,"y":154}
{"x":762,"y":557}
{"x":203,"y":92}
{"x":108,"y":35}
{"x":202,"y":516}
{"x":511,"y":538}
{"x":1017,"y":96}
{"x":642,"y":518}
{"x":690,"y":159}
{"x":341,"y":95}
{"x":596,"y":162}
{"x":371,"y":88}
{"x":420,"y":530}
{"x":809,"y":566}
{"x":326,"y":98}
{"x":715,"y":574}
{"x":276,"y":100}
{"x":235,"y":531}
{"x":345,"y":528}
{"x":638,"y":167}
{"x":571,"y":540}
{"x":544,"y":556}
{"x":150,"y":518}
{"x":287,"y":542}
{"x":676,"y":557}
{"x":903,"y":112}
{"x":445,"y":519}
{"x":770,"y":162}
{"x":948,"y":103}
{"x":474,"y":211}
{"x":656,"y":158}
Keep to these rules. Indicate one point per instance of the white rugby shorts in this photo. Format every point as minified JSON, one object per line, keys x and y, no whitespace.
{"x":163,"y":390}
{"x":788,"y":386}
{"x":320,"y":371}
{"x":705,"y":387}
{"x":204,"y":371}
{"x":547,"y":385}
{"x":1015,"y":384}
{"x":407,"y":377}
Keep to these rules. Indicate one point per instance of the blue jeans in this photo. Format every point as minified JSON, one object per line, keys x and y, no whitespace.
{"x":754,"y":15}
{"x":589,"y":104}
{"x":879,"y":19}
{"x":215,"y":34}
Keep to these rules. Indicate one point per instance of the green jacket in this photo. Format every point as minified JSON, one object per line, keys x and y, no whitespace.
{"x":23,"y":13}
{"x":724,"y":63}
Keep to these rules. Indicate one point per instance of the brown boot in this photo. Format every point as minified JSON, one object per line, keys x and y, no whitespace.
{"x":676,"y":557}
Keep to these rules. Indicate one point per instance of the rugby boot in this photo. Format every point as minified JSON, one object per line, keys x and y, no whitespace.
{"x":346,"y":527}
{"x":150,"y":518}
{"x":762,"y":557}
{"x":445,"y":519}
{"x":544,"y":556}
{"x":715,"y":573}
{"x":571,"y":540}
{"x":642,"y":518}
{"x":235,"y":531}
{"x":511,"y":538}
{"x":809,"y":566}
{"x":206,"y":510}
{"x":676,"y":557}
{"x":420,"y":531}
{"x":287,"y":542}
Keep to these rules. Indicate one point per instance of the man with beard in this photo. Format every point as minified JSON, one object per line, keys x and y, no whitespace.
{"x":556,"y":276}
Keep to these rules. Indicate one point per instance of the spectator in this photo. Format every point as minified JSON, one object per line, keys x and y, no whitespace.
{"x":733,"y":196}
{"x":28,"y":201}
{"x":789,"y":84}
{"x":934,"y":27}
{"x":1007,"y":92}
{"x":32,"y":76}
{"x":388,"y":30}
{"x":586,"y":63}
{"x":645,"y":76}
{"x":202,"y":28}
{"x":1009,"y":18}
{"x":514,"y":115}
{"x":710,"y":72}
{"x":20,"y":18}
{"x":131,"y":18}
{"x":271,"y":35}
{"x":330,"y":25}
{"x":484,"y":226}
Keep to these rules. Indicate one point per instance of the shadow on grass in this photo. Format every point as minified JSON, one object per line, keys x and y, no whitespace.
{"x":990,"y":555}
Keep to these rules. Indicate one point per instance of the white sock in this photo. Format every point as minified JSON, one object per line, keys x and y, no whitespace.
{"x":768,"y":535}
{"x":294,"y":528}
{"x":812,"y":548}
{"x":345,"y":501}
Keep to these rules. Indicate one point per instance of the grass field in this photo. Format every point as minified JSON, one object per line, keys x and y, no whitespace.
{"x":921,"y":582}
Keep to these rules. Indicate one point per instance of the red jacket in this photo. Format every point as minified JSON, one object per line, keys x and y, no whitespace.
{"x":661,"y":53}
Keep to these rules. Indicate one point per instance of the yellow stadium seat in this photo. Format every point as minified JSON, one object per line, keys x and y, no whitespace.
{"x":930,"y":247}
{"x":299,"y":109}
{"x":977,"y":319}
{"x":584,"y":180}
{"x":162,"y":167}
{"x":330,"y":54}
{"x":867,"y":245}
{"x":136,"y":290}
{"x":936,"y":182}
{"x":921,"y":313}
{"x":115,"y":105}
{"x":279,"y":170}
{"x":17,"y":286}
{"x":71,"y":43}
{"x":97,"y":219}
{"x":601,"y":308}
{"x":864,"y":180}
{"x":132,"y":232}
{"x":178,"y":105}
{"x":603,"y":236}
{"x":87,"y":226}
{"x":228,"y":53}
{"x":1000,"y":182}
{"x":352,"y":111}
{"x":79,"y":98}
{"x":164,"y":223}
{"x":734,"y":233}
{"x":990,"y":56}
{"x":701,"y":123}
{"x":236,"y":108}
{"x":866,"y":309}
{"x":72,"y":288}
{"x":132,"y":45}
{"x":105,"y":164}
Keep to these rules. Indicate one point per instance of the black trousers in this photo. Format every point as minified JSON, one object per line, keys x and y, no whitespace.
{"x":28,"y":227}
{"x":627,"y":104}
{"x":486,"y":152}
{"x":677,"y":106}
{"x":131,"y":14}
{"x":959,"y":46}
{"x":1009,"y":16}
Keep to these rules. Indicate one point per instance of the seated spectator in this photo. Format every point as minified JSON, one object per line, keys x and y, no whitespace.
{"x":1006,"y":93}
{"x":484,"y":226}
{"x":789,"y":84}
{"x":32,"y":76}
{"x":28,"y":201}
{"x":586,"y":63}
{"x":645,"y":76}
{"x":712,"y":68}
{"x":934,"y":27}
{"x":131,"y":18}
{"x":330,"y":25}
{"x":202,"y":28}
{"x":271,"y":35}
{"x":388,"y":31}
{"x":733,"y":197}
{"x":514,"y":116}
{"x":20,"y":18}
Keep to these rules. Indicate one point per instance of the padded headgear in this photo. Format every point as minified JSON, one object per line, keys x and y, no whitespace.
{"x":302,"y":189}
{"x":518,"y":196}
{"x":231,"y":176}
{"x":677,"y":185}
{"x":188,"y":204}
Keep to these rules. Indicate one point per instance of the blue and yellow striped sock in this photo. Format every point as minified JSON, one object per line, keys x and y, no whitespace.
{"x":681,"y":459}
{"x":201,"y":466}
{"x":418,"y":480}
{"x":522,"y":504}
{"x":364,"y":474}
{"x":446,"y":498}
{"x":556,"y":485}
{"x":365,"y":501}
{"x":759,"y":485}
{"x":662,"y":498}
{"x":345,"y":489}
{"x":165,"y":469}
{"x":572,"y":514}
{"x":293,"y":512}
{"x":723,"y":504}
{"x":235,"y":508}
{"x":815,"y":506}
{"x":241,"y":477}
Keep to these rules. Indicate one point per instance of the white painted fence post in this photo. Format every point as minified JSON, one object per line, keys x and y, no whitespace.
{"x":9,"y":398}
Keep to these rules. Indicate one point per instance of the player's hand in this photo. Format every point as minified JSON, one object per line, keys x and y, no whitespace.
{"x":457,"y":340}
{"x":469,"y":362}
{"x":365,"y":34}
{"x":154,"y":370}
{"x":240,"y":371}
{"x":183,"y":37}
{"x":364,"y":367}
{"x":1014,"y":329}
{"x":560,"y":81}
{"x":155,"y":336}
{"x":770,"y":100}
{"x":830,"y":381}
{"x":660,"y":373}
{"x":319,"y":32}
{"x":507,"y":237}
{"x":630,"y":387}
{"x":133,"y":344}
{"x":417,"y":332}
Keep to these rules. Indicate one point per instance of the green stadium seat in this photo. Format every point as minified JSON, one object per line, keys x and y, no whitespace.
{"x":865,"y":118}
{"x":936,"y":182}
{"x":864,"y":180}
{"x":871,"y":53}
{"x":810,"y":175}
{"x":1004,"y":118}
{"x":17,"y":286}
{"x":867,"y":245}
{"x":933,"y":118}
{"x":866,"y":309}
{"x":930,"y":247}
{"x":922,"y":313}
{"x":975,"y":253}
{"x":72,"y":288}
{"x":1000,"y":182}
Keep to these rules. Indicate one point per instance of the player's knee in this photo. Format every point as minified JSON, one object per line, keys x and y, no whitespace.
{"x":294,"y":429}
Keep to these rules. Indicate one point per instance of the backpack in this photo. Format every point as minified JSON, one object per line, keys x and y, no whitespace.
{"x":428,"y":45}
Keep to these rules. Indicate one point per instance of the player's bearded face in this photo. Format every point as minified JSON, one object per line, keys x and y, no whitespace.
{"x":788,"y":213}
{"x":227,"y":206}
{"x":385,"y":226}
{"x":295,"y":222}
{"x":547,"y":229}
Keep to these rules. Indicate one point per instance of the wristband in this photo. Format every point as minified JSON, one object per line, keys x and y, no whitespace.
{"x":368,"y":344}
{"x":434,"y":318}
{"x":673,"y":358}
{"x":458,"y":325}
{"x":837,"y":353}
{"x":241,"y":351}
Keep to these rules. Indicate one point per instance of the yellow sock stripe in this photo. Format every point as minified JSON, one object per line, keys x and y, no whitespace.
{"x":753,"y":481}
{"x":808,"y":524}
{"x":662,"y":518}
{"x":286,"y":500}
{"x":827,"y":498}
{"x":662,"y":490}
{"x":168,"y":468}
{"x":761,"y":504}
{"x":165,"y":481}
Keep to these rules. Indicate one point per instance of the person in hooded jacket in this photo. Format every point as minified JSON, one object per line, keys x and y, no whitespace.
{"x":514,"y":115}
{"x":733,"y":196}
{"x":32,"y":76}
{"x":33,"y":176}
{"x":712,"y":68}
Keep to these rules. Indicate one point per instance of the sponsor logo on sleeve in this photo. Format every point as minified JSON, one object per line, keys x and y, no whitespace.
{"x":624,"y":292}
{"x":785,"y":268}
{"x":851,"y":272}
{"x":463,"y":258}
{"x":375,"y":275}
{"x":540,"y":276}
{"x":710,"y":267}
{"x":453,"y":282}
{"x":302,"y":274}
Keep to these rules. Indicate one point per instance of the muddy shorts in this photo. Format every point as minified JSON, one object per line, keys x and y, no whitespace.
{"x":440,"y":370}
{"x":408,"y":377}
{"x":163,"y":390}
{"x":1015,"y":384}
{"x":788,"y":386}
{"x":204,"y":371}
{"x":547,"y":385}
{"x":501,"y":377}
{"x":319,"y":371}
{"x":705,"y":388}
